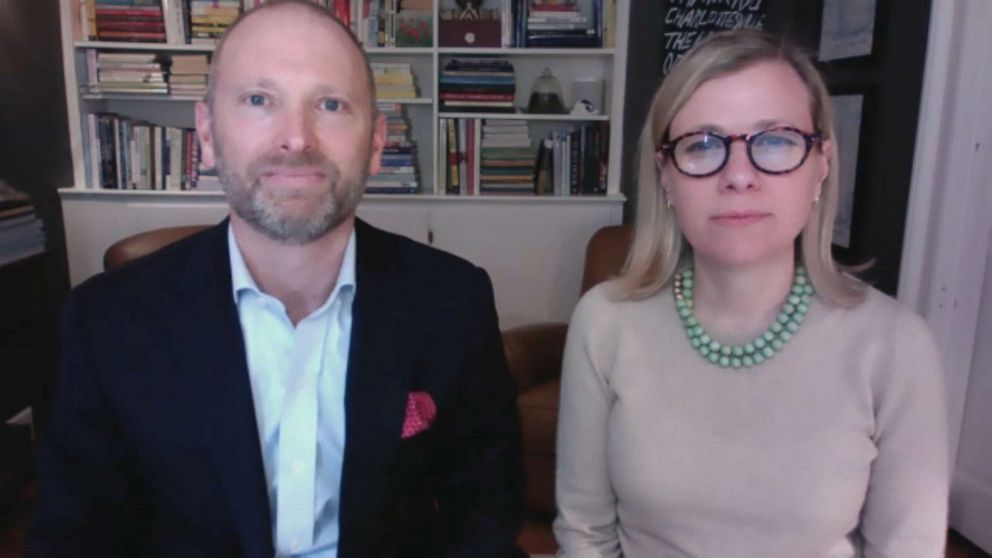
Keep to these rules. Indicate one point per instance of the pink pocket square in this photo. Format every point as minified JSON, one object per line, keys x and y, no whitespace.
{"x":420,"y":411}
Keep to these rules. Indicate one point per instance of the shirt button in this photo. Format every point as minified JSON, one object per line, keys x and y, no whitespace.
{"x":296,"y":467}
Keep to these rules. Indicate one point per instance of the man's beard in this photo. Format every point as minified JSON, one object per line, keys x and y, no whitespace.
{"x":259,"y":205}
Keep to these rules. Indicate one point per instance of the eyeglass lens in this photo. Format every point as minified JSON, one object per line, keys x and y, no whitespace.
{"x":772,"y":151}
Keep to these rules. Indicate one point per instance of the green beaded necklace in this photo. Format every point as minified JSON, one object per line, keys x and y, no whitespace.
{"x":764,"y":346}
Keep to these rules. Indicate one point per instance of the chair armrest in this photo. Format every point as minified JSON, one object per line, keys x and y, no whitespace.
{"x":534,"y":353}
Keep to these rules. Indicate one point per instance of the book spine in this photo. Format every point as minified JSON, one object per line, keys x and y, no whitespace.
{"x":574,"y":161}
{"x":440,"y":184}
{"x":476,"y":155}
{"x":189,"y":142}
{"x":160,"y":157}
{"x":93,"y":150}
{"x":118,"y":155}
{"x":103,"y":136}
{"x":453,"y":182}
{"x":590,"y":163}
{"x":373,"y":28}
{"x":603,"y":138}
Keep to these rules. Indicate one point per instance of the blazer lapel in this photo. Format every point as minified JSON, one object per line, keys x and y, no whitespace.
{"x":215,"y":365}
{"x":377,"y":386}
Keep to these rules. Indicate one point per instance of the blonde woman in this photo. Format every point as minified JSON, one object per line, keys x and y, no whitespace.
{"x":734,"y":393}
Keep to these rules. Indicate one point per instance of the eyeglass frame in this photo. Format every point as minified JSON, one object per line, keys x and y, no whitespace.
{"x":811,"y":140}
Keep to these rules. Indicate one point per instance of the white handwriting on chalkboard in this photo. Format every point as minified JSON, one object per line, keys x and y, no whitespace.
{"x":739,"y":5}
{"x":687,"y":22}
{"x":724,"y":19}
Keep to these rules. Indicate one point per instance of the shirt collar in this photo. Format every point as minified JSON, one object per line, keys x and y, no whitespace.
{"x":242,"y":281}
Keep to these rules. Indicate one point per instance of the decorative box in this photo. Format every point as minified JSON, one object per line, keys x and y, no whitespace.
{"x":470,"y":33}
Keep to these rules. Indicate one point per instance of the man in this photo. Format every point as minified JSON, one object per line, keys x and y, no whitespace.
{"x":293,"y":381}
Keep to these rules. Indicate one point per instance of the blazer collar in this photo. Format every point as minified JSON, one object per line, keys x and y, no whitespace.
{"x":378,"y":383}
{"x":208,"y":331}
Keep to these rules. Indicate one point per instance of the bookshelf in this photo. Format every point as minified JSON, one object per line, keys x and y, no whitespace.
{"x":556,"y":226}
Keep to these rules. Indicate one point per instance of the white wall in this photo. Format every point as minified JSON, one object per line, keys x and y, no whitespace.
{"x":949,"y":240}
{"x":971,"y":494}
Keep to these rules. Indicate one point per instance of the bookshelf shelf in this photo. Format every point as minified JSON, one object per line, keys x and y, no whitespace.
{"x":111,"y":193}
{"x":417,"y":101}
{"x":535,"y":52}
{"x":166,"y":47}
{"x":139,"y":97}
{"x":376,"y":51}
{"x":526,"y":116}
{"x":147,"y":47}
{"x":82,"y":193}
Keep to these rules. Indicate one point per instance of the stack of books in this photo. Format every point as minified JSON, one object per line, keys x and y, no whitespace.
{"x":477,"y":85}
{"x":133,"y":155}
{"x":138,"y":21}
{"x":393,"y":81}
{"x":188,"y":74}
{"x":22,"y":234}
{"x":559,"y":23}
{"x":210,"y":18}
{"x":127,"y":72}
{"x":507,"y":158}
{"x":399,"y":173}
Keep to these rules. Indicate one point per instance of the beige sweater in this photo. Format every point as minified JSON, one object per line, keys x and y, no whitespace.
{"x":835,"y":447}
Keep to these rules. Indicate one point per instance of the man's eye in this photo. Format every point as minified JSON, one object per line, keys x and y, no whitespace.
{"x":330,"y":105}
{"x":256,"y":100}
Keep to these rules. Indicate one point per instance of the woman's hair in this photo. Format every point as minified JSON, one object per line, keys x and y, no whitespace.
{"x":658,"y":244}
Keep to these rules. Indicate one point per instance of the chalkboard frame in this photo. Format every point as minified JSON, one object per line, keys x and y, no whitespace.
{"x":861,"y":224}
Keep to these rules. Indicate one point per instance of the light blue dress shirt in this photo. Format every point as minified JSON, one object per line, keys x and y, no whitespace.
{"x":297,"y":383}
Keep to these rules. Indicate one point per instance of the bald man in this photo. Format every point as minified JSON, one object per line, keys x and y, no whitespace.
{"x":293,"y":381}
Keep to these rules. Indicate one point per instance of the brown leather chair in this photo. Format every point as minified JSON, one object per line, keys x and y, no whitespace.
{"x":142,"y":244}
{"x":534,"y":354}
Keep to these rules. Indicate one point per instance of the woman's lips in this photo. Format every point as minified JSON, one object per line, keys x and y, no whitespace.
{"x":740,"y":217}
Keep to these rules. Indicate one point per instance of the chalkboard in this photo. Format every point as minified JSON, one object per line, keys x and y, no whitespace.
{"x":687,"y":22}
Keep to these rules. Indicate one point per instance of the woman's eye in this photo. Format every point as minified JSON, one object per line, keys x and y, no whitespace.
{"x":330,"y":105}
{"x":776,"y":140}
{"x":702,"y":143}
{"x":256,"y":100}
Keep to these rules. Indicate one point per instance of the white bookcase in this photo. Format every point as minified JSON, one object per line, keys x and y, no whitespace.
{"x":532,"y":246}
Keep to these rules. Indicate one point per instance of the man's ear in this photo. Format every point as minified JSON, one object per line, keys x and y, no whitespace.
{"x":378,"y":143}
{"x":204,"y":133}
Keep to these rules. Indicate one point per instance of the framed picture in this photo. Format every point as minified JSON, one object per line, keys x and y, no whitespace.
{"x":847,"y":126}
{"x":854,"y":110}
{"x":847,"y":29}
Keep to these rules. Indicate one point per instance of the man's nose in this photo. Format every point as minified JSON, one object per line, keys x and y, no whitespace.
{"x":297,"y":130}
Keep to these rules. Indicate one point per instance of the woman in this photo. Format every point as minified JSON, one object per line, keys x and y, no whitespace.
{"x":734,"y":393}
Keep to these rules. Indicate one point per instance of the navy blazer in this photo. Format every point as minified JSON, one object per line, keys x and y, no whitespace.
{"x":153,"y":447}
